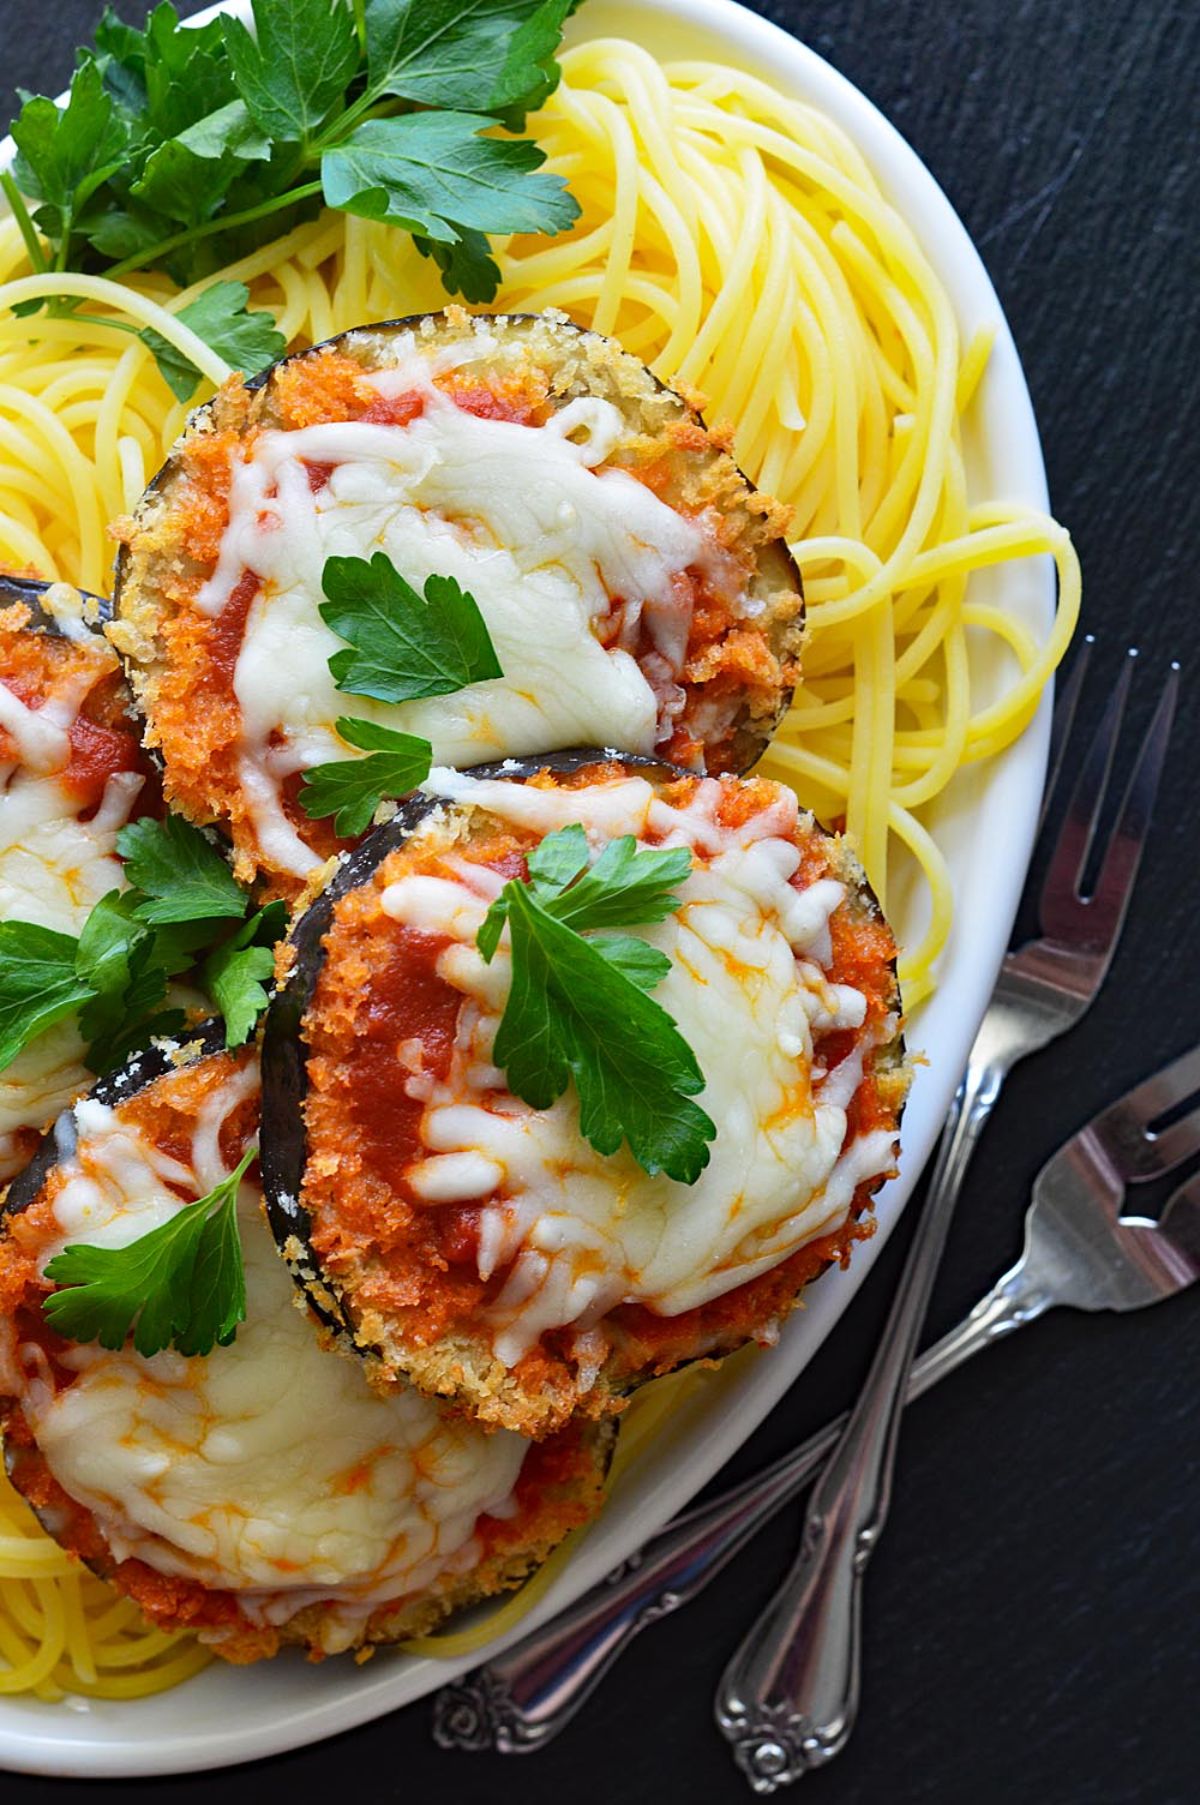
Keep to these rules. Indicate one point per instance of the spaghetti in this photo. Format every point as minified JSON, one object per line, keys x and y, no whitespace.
{"x":737,"y":242}
{"x":63,"y":1630}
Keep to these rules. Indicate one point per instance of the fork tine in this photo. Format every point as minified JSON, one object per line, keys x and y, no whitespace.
{"x":1126,"y":1128}
{"x":1114,"y":885}
{"x":1075,"y":836}
{"x":1065,"y":707}
{"x":1179,"y":1227}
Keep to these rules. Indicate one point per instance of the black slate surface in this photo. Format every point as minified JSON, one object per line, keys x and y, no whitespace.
{"x":1033,"y":1615}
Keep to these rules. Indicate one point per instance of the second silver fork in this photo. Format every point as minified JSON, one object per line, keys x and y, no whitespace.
{"x":1082,"y":1252}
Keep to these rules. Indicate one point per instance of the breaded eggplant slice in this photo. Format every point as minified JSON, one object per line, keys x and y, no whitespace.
{"x":71,"y":773}
{"x":262,"y":1494}
{"x":637,"y":590}
{"x":481,"y":1249}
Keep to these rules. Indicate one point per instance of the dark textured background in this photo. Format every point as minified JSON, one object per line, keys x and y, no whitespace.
{"x":1033,"y":1616}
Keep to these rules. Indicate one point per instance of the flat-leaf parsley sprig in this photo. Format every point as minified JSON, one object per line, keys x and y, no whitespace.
{"x":182,"y":1285}
{"x":400,"y":646}
{"x":184,"y":147}
{"x":578,"y":1006}
{"x":184,"y":910}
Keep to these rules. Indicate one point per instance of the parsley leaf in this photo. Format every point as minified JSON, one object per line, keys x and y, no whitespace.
{"x":183,"y":876}
{"x":635,"y":959}
{"x":188,"y":177}
{"x":578,"y":1009}
{"x":296,"y":66}
{"x":351,"y":789}
{"x":172,"y":74}
{"x":247,"y":341}
{"x":186,"y":147}
{"x":106,"y":941}
{"x":433,"y":174}
{"x":235,"y":974}
{"x":465,"y":53}
{"x":38,"y":984}
{"x":235,"y":977}
{"x":402,"y":646}
{"x":63,"y":156}
{"x":182,"y":1284}
{"x":559,"y":859}
{"x":133,"y":942}
{"x":530,"y":72}
{"x":114,"y":958}
{"x":468,"y":267}
{"x":627,"y":885}
{"x":574,"y":1012}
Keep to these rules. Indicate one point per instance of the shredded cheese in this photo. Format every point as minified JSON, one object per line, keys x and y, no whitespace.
{"x":521,"y":516}
{"x":209,"y":1468}
{"x":580,"y":1233}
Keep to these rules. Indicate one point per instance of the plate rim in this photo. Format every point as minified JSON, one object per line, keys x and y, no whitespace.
{"x":307,"y":1718}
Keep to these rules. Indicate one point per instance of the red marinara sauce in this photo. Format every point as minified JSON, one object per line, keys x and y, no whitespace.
{"x":226,"y":632}
{"x":407,"y":1001}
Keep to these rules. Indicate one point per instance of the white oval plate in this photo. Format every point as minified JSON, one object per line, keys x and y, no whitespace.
{"x":985,"y":825}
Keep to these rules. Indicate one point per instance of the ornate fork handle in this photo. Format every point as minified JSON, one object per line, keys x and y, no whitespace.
{"x":789,"y":1696}
{"x":522,"y":1698}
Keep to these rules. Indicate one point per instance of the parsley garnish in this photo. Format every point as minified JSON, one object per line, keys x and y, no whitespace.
{"x":578,"y":1007}
{"x":351,"y":789}
{"x":401,"y":647}
{"x":236,"y":973}
{"x":178,"y":914}
{"x":183,"y":147}
{"x":247,"y":341}
{"x":181,"y":874}
{"x":183,"y":1284}
{"x":39,"y":984}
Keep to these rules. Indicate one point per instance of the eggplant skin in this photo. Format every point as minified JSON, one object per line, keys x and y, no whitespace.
{"x":29,"y":592}
{"x":285,"y":1149}
{"x":139,"y":1071}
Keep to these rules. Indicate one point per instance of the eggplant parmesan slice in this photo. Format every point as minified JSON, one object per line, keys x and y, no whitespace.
{"x":71,"y":773}
{"x":481,"y":1249}
{"x":637,"y":590}
{"x":262,"y":1494}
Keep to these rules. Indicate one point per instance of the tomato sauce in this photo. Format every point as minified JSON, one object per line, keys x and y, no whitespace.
{"x":407,"y":1001}
{"x":394,"y":410}
{"x":487,"y":403}
{"x":318,"y":474}
{"x":97,"y":753}
{"x":226,"y":632}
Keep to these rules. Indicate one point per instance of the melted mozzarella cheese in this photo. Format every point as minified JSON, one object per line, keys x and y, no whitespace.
{"x":267,"y":1468}
{"x":53,"y":868}
{"x":519,"y":515}
{"x":581,"y":1232}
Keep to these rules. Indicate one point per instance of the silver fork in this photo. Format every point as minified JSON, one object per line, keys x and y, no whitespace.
{"x":523,"y":1697}
{"x":1080,"y":1252}
{"x":793,"y":1684}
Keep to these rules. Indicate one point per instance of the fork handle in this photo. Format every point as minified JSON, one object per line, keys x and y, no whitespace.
{"x":789,"y":1697}
{"x":522,"y":1698}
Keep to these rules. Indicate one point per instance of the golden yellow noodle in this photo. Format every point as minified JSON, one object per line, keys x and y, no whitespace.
{"x":63,"y":1630}
{"x":738,"y":243}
